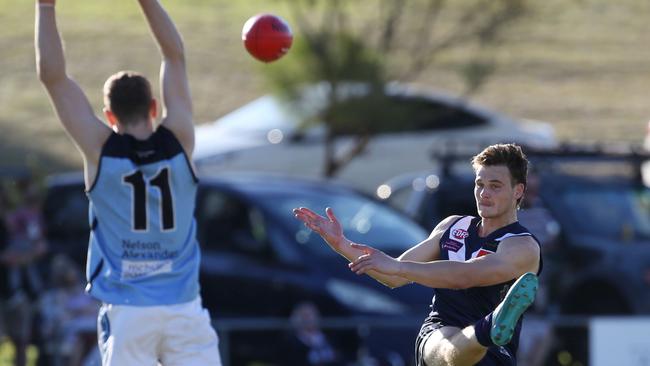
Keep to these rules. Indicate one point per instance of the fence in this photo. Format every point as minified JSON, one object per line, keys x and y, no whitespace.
{"x":572,"y":340}
{"x":364,"y":327}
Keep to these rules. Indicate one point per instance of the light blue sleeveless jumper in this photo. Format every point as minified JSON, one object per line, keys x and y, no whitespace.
{"x":143,"y":249}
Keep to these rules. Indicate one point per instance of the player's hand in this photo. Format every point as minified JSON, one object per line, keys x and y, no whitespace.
{"x":328,"y":227}
{"x":374,"y":259}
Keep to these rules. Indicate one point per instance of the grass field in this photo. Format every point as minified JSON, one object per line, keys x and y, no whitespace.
{"x":583,"y":66}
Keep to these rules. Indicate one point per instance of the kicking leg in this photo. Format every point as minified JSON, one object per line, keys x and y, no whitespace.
{"x":453,"y":346}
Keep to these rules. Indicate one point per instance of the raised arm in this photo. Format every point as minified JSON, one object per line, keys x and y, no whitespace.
{"x":71,"y":105}
{"x":177,"y":103}
{"x":330,"y":230}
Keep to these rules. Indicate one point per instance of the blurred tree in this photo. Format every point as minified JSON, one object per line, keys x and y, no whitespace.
{"x":352,"y":50}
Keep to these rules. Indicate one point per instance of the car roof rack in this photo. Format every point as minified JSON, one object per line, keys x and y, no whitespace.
{"x":449,"y":154}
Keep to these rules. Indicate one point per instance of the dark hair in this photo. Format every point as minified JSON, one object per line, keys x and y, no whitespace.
{"x":509,"y":155}
{"x":128,"y":95}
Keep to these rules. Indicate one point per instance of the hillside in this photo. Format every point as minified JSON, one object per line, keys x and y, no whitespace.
{"x":582,"y":66}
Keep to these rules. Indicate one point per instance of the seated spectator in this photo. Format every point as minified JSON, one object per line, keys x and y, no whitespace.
{"x":24,"y":246}
{"x":307,"y":344}
{"x":69,"y":315}
{"x":5,"y":289}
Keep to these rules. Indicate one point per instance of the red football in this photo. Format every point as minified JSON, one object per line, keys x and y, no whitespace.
{"x":267,"y":37}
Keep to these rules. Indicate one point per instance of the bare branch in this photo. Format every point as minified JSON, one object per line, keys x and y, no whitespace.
{"x":339,"y":50}
{"x":391,"y":22}
{"x":334,"y":164}
{"x":418,"y":48}
{"x":360,"y":145}
{"x":301,"y":19}
{"x":475,"y":24}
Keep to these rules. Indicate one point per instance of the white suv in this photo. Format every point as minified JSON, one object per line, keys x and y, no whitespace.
{"x":266,"y":135}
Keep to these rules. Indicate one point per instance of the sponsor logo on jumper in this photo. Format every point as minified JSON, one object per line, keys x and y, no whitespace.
{"x":483,"y":252}
{"x":460,"y":234}
{"x":146,"y":250}
{"x":452,"y":245}
{"x":139,"y":269}
{"x":145,"y":153}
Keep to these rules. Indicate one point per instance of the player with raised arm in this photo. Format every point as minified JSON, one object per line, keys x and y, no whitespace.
{"x":143,"y":256}
{"x":483,"y":269}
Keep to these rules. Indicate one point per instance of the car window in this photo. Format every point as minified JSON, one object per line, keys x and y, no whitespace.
{"x":66,"y":211}
{"x":226,"y":223}
{"x":363,"y":220}
{"x":426,"y":114}
{"x":627,"y":213}
{"x":456,"y":199}
{"x":65,"y":214}
{"x":428,"y":206}
{"x":401,"y":198}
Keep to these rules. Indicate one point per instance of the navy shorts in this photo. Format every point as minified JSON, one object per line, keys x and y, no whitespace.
{"x":495,"y":356}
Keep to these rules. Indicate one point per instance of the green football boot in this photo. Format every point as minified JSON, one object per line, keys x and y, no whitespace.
{"x":507,"y":314}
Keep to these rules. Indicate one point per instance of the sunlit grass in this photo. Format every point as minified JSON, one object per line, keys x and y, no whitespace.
{"x":583,"y":66}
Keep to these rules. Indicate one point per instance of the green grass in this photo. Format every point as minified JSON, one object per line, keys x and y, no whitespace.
{"x":583,"y":66}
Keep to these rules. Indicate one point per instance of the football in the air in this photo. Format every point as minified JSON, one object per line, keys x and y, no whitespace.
{"x":267,"y":37}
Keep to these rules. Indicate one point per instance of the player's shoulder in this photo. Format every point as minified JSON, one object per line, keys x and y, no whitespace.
{"x":181,"y":134}
{"x":168,"y":140}
{"x":448,"y":222}
{"x":519,"y":233}
{"x":163,"y":132}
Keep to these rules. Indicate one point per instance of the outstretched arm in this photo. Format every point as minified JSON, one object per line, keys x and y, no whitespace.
{"x":330,"y":230}
{"x":514,"y":257}
{"x":177,"y":103}
{"x":71,"y":105}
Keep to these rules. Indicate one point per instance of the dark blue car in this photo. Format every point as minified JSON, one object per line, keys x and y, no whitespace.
{"x":258,"y":261}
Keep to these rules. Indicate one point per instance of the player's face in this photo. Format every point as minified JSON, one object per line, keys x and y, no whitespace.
{"x":494,"y":193}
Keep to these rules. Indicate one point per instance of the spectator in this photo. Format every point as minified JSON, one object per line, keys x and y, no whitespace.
{"x":307,"y":344}
{"x":4,"y":266}
{"x":26,"y":244}
{"x":68,"y":315}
